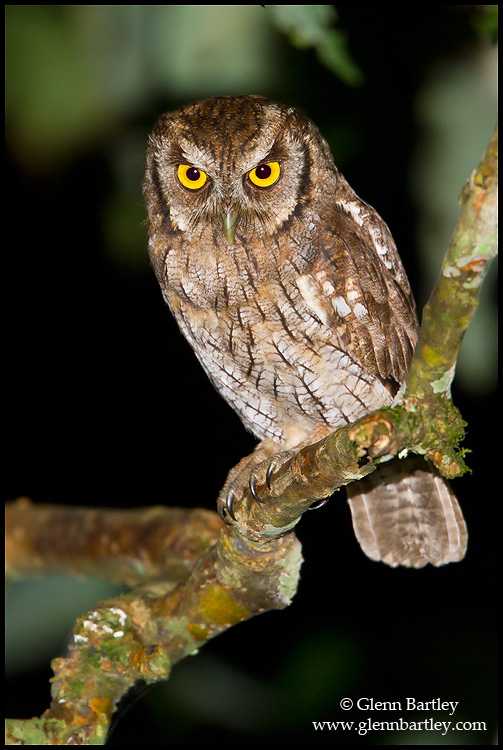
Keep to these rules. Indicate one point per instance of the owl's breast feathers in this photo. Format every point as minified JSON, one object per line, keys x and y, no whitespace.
{"x":292,"y":344}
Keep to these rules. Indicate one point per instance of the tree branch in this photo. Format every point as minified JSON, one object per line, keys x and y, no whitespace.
{"x":122,"y":546}
{"x":254,"y":564}
{"x":138,"y":636}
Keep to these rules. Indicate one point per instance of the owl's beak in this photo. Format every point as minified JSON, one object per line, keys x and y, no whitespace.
{"x":230,"y":220}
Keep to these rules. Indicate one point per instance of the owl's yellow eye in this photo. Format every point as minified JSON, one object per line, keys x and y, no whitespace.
{"x":191,"y":177}
{"x":265,"y":175}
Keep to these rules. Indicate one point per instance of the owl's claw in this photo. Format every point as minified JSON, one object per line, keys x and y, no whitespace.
{"x":227,"y":499}
{"x":319,"y":504}
{"x":225,"y":507}
{"x":252,"y":483}
{"x":270,"y":472}
{"x":271,"y":468}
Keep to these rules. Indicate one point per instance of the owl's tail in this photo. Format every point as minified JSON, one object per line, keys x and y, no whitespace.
{"x":405,"y":513}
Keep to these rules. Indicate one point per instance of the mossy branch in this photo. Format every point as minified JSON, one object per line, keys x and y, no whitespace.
{"x":227,"y":574}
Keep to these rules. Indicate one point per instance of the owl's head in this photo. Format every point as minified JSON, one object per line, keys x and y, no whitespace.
{"x":234,"y":169}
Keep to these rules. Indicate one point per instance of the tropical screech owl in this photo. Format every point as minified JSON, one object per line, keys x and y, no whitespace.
{"x":291,"y":292}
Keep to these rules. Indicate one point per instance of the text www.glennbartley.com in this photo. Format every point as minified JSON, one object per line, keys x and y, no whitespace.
{"x":400,"y":724}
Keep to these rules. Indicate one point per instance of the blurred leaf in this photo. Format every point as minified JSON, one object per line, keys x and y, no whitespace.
{"x":123,"y":216}
{"x":456,"y":108}
{"x":333,"y":53}
{"x":209,"y":50}
{"x":49,"y":100}
{"x":311,"y":26}
{"x":211,"y":691}
{"x":75,"y":73}
{"x":72,"y":72}
{"x":39,"y":615}
{"x":485,"y":20}
{"x":322,"y":666}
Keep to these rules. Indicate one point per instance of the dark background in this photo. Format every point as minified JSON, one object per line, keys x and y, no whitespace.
{"x":106,"y":404}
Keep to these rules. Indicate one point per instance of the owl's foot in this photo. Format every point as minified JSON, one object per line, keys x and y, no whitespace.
{"x":225,"y":506}
{"x":279,"y":459}
{"x":255,"y":473}
{"x":319,"y":504}
{"x":260,"y":475}
{"x":245,"y":476}
{"x":226,"y":500}
{"x":272,"y":466}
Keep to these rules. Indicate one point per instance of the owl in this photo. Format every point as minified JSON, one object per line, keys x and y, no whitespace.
{"x":291,"y":292}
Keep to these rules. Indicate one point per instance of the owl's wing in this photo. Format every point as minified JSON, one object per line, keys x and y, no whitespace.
{"x":365,"y":292}
{"x":404,"y":513}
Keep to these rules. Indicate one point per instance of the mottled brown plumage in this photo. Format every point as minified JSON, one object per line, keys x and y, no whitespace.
{"x":288,"y":287}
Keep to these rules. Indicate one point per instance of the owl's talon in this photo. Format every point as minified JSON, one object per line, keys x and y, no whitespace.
{"x":252,"y":483}
{"x":225,"y":507}
{"x":319,"y":504}
{"x":269,"y":473}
